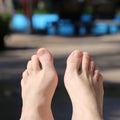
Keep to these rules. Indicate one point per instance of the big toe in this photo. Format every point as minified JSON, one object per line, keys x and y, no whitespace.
{"x":45,"y":58}
{"x":74,"y":61}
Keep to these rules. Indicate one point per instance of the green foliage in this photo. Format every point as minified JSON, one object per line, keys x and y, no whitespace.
{"x":43,"y":8}
{"x":118,"y":12}
{"x":88,"y":9}
{"x":40,"y":11}
{"x":4,"y":28}
{"x":5,"y":17}
{"x":20,"y":11}
{"x":4,"y":24}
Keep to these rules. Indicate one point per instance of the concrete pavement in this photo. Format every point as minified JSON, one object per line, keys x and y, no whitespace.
{"x":104,"y":50}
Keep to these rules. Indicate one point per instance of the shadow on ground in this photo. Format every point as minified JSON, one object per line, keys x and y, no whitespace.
{"x":12,"y":63}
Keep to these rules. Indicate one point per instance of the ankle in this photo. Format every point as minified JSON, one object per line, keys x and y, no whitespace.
{"x":86,"y":114}
{"x":38,"y":113}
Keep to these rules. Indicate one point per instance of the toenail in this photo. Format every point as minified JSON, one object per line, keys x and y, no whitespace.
{"x":86,"y":53}
{"x":77,"y":54}
{"x":43,"y":53}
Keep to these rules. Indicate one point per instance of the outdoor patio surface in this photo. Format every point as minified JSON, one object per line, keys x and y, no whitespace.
{"x":105,"y":50}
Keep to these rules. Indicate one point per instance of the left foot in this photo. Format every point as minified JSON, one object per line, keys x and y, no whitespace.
{"x":84,"y":84}
{"x":38,"y":87}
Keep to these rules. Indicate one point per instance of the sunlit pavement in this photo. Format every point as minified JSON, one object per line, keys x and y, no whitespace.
{"x":105,"y":50}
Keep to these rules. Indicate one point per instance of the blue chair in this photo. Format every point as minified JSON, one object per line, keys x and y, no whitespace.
{"x":51,"y":30}
{"x":20,"y":23}
{"x":41,"y":21}
{"x":52,"y":17}
{"x":66,"y":28}
{"x":99,"y":29}
{"x":86,"y":18}
{"x":64,"y":21}
{"x":82,"y":30}
{"x":113,"y":28}
{"x":117,"y":18}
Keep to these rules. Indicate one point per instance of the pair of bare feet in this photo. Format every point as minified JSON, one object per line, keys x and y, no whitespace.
{"x":82,"y":80}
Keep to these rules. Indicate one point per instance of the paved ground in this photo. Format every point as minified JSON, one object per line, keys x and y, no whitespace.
{"x":104,"y":50}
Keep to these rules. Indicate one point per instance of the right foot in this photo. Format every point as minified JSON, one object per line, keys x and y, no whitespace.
{"x":38,"y":87}
{"x":84,"y":84}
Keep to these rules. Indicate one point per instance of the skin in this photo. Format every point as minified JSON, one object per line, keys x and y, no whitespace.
{"x":84,"y":84}
{"x":82,"y":81}
{"x":38,"y":87}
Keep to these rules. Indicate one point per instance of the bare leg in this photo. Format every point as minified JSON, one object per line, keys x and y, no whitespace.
{"x":84,"y":84}
{"x":38,"y":87}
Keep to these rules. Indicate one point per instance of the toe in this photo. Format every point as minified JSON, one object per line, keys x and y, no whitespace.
{"x":100,"y":78}
{"x":24,"y":77}
{"x":96,"y":76}
{"x":100,"y":85}
{"x":25,"y":74}
{"x":74,"y":60}
{"x":35,"y":63}
{"x":85,"y":62}
{"x":92,"y":68}
{"x":29,"y":67}
{"x":45,"y":58}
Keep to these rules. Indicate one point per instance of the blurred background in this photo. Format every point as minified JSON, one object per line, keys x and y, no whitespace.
{"x":60,"y":26}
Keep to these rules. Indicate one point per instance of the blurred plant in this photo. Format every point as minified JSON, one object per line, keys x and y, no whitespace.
{"x":5,"y":17}
{"x":43,"y":7}
{"x":4,"y":28}
{"x":40,"y":11}
{"x":88,"y":9}
{"x":118,"y":12}
{"x":21,"y":11}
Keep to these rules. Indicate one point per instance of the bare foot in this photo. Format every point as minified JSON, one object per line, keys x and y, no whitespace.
{"x":84,"y":84}
{"x":38,"y":87}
